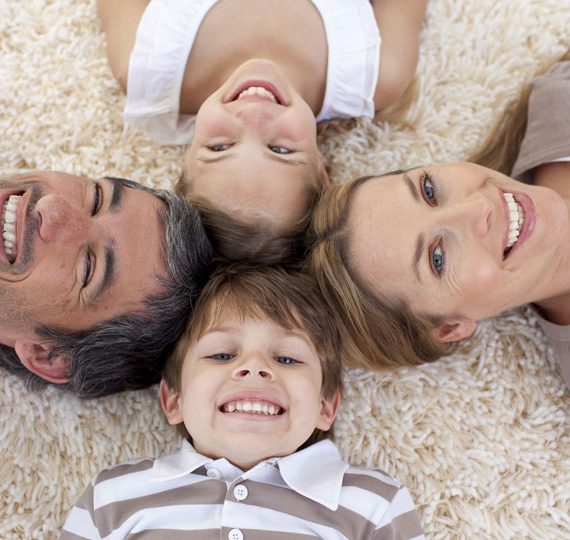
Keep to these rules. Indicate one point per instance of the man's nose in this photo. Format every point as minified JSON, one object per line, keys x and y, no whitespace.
{"x":60,"y":220}
{"x":254,"y":365}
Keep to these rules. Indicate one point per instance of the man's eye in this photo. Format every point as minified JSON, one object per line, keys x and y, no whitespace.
{"x":222,"y":357}
{"x":280,"y":149}
{"x":89,"y":268}
{"x":287,"y":360}
{"x":219,"y":147}
{"x":428,"y":188}
{"x":97,"y":199}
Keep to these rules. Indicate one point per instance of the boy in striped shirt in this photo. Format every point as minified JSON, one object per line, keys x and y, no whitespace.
{"x":254,"y":385}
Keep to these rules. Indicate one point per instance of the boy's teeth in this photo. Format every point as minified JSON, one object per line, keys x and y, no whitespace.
{"x":257,"y":90}
{"x":9,"y":224}
{"x":251,"y":407}
{"x":516,"y":219}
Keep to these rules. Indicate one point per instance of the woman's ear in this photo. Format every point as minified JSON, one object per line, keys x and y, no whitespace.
{"x":455,"y":330}
{"x":36,"y":358}
{"x":170,"y":403}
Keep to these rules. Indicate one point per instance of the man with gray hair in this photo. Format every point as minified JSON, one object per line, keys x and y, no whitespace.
{"x":97,"y":279}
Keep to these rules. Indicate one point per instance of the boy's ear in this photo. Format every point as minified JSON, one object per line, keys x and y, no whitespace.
{"x":455,"y":330}
{"x":329,"y":408}
{"x":170,"y":404}
{"x":36,"y":358}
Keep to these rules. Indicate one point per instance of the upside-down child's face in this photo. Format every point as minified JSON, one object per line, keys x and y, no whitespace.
{"x":250,"y":390}
{"x":254,"y":148}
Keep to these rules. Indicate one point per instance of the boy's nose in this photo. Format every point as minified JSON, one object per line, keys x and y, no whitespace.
{"x":60,"y":221}
{"x":253,"y":366}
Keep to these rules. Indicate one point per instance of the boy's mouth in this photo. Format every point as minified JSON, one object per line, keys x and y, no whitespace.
{"x":263,"y":408}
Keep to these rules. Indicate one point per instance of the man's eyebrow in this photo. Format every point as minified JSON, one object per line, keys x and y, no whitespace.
{"x":411,"y":186}
{"x":108,"y":274}
{"x":417,"y":256}
{"x":117,"y":194}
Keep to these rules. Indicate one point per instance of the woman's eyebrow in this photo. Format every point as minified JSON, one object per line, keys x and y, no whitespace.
{"x":412,"y":186}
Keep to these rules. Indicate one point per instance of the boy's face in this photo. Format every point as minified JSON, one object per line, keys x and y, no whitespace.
{"x":254,"y":148}
{"x":250,"y":390}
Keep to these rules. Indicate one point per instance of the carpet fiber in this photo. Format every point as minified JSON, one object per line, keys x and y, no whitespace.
{"x":482,"y":438}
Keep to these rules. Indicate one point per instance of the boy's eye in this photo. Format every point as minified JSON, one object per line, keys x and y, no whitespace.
{"x":287,"y":360}
{"x":280,"y":149}
{"x":222,"y":357}
{"x":428,"y":188}
{"x":219,"y":147}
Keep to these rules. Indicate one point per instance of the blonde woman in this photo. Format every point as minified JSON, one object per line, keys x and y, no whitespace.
{"x":415,"y":258}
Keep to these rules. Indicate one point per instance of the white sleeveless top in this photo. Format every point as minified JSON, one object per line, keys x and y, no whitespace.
{"x":164,"y":42}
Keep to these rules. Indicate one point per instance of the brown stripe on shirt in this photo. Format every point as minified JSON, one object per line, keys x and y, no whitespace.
{"x":370,"y":483}
{"x":405,"y":525}
{"x":125,"y":468}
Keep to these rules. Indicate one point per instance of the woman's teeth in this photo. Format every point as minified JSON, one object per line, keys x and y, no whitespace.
{"x":9,"y":225}
{"x":257,"y":91}
{"x":516,"y":219}
{"x":251,"y":407}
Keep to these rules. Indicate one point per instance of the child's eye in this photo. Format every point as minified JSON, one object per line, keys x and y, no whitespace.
{"x":219,"y":147}
{"x":221,"y":357}
{"x":287,"y":360}
{"x":280,"y":149}
{"x":428,"y":188}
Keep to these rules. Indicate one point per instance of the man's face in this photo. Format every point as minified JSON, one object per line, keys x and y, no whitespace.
{"x":75,"y":252}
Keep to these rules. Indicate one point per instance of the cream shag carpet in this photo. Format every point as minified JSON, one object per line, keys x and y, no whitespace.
{"x":482,"y":438}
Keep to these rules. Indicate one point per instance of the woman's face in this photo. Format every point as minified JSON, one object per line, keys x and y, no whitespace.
{"x":438,"y":237}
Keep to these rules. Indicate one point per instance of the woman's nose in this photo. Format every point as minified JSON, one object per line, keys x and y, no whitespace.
{"x":254,"y":114}
{"x":255,"y":365}
{"x":474,"y":213}
{"x":60,"y":220}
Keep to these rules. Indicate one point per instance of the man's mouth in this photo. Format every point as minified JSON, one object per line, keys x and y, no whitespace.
{"x":9,"y":231}
{"x":515,"y":221}
{"x":252,"y":407}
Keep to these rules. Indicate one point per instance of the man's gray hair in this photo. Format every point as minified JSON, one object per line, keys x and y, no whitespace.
{"x":128,"y":351}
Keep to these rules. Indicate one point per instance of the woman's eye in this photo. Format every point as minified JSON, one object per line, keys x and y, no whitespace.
{"x":89,"y":268}
{"x":437,"y":260}
{"x":97,"y":199}
{"x":222,"y":357}
{"x":280,"y":149}
{"x":219,"y":147}
{"x":428,"y":189}
{"x":287,"y":360}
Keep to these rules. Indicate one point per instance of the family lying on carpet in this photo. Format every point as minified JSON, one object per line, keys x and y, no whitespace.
{"x":254,"y":375}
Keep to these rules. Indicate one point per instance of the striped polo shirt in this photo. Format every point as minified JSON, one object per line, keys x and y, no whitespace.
{"x":309,"y":494}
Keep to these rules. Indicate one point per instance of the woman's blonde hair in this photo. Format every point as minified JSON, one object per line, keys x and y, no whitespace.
{"x":501,"y":148}
{"x":376,"y":332}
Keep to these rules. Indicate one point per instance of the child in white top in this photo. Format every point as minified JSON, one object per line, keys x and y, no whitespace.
{"x":257,"y":73}
{"x":254,"y":384}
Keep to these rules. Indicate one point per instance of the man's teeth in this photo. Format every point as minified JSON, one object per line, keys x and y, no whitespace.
{"x":251,"y":407}
{"x":257,"y":91}
{"x":9,"y":224}
{"x":516,"y":219}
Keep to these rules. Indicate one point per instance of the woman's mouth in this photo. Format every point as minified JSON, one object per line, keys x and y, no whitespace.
{"x":9,"y":232}
{"x":257,"y":91}
{"x":520,"y":219}
{"x":515,"y":221}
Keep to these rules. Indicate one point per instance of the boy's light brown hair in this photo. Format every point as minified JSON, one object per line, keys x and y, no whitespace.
{"x":290,"y":299}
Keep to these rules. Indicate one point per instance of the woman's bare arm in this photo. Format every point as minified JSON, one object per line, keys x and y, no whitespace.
{"x":400,"y":23}
{"x":120,"y":20}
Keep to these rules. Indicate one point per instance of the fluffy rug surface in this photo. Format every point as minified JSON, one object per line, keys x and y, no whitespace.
{"x":482,"y":438}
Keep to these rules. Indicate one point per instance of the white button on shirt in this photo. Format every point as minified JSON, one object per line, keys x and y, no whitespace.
{"x":213,"y":473}
{"x":240,"y":492}
{"x":235,"y":534}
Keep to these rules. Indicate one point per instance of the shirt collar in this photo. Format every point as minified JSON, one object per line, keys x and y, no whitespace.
{"x":315,"y":472}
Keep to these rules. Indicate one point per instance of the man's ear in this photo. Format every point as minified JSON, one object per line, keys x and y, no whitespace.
{"x":455,"y":330}
{"x":329,"y":408}
{"x":36,"y":358}
{"x":170,"y":403}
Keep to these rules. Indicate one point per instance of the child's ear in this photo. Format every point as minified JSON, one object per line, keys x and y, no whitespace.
{"x":36,"y":358}
{"x":329,"y":408}
{"x":455,"y":330}
{"x":170,"y":403}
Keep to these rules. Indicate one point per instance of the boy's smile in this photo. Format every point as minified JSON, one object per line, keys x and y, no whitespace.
{"x":250,"y":390}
